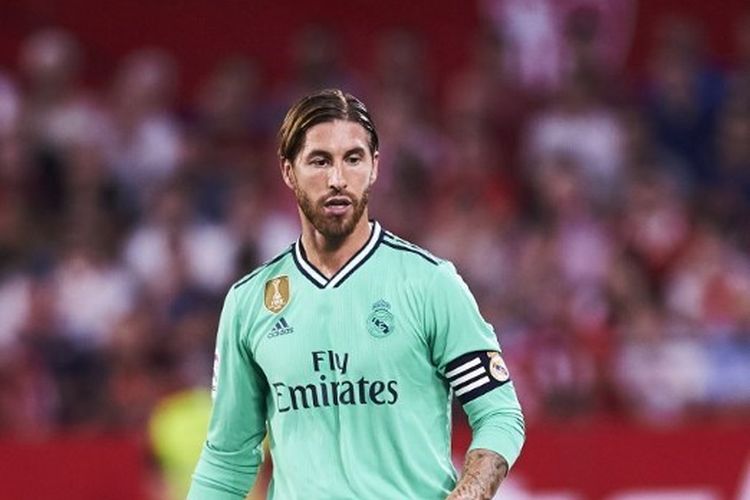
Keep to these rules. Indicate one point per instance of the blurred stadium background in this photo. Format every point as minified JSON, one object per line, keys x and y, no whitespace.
{"x":585,"y":163}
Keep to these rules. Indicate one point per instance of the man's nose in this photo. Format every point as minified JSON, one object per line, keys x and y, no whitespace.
{"x":336,"y":179}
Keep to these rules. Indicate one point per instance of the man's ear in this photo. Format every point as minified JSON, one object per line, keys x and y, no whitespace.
{"x":374,"y":173}
{"x":287,"y":173}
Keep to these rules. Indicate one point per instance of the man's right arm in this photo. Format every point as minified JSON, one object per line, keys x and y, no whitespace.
{"x":232,"y":452}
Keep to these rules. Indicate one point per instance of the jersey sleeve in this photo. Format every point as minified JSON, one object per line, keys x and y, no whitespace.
{"x":232,"y":453}
{"x":466,"y":352}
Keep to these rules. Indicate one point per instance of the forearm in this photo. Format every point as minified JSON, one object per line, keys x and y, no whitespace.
{"x":225,"y":476}
{"x":483,"y":472}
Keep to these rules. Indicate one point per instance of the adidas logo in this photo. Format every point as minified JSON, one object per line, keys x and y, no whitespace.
{"x":280,"y":328}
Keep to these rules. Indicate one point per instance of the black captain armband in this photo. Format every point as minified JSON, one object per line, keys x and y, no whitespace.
{"x":475,"y":373}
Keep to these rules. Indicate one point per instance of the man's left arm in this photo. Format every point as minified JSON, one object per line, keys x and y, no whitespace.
{"x":481,"y":383}
{"x":465,"y":350}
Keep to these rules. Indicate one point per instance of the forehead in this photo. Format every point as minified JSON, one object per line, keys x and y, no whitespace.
{"x":336,"y":136}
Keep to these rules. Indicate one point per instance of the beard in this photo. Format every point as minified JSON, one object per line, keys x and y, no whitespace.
{"x":332,"y":227}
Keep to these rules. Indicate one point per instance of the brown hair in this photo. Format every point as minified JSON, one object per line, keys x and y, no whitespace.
{"x":324,"y":106}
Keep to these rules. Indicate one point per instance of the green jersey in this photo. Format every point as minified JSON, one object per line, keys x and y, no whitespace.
{"x":351,"y":377}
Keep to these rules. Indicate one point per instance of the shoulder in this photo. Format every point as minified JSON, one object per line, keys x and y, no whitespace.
{"x":260,"y":274}
{"x":418,"y":263}
{"x":409,"y":251}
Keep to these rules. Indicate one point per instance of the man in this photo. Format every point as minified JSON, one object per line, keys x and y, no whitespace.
{"x":346,"y":347}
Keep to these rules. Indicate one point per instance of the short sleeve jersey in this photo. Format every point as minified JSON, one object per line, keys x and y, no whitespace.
{"x":351,"y":377}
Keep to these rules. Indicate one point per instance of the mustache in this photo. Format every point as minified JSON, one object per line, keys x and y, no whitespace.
{"x":338,"y":192}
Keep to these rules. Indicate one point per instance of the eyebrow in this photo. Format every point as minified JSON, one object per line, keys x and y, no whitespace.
{"x":326,"y":154}
{"x":318,"y":152}
{"x":358,"y":150}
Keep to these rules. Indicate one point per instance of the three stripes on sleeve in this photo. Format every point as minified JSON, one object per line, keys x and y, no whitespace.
{"x":476,"y":373}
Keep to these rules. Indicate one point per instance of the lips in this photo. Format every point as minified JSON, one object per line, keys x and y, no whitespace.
{"x":337,"y":205}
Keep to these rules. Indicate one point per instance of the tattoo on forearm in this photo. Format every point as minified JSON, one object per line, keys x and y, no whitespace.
{"x":484,"y":470}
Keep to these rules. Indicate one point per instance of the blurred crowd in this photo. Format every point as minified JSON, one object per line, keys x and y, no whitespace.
{"x":602,"y":219}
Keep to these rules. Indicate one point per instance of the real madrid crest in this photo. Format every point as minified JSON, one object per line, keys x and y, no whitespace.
{"x":277,"y":293}
{"x":498,"y":370}
{"x":380,"y":322}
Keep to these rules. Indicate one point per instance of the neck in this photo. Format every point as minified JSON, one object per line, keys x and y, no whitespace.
{"x":329,"y":255}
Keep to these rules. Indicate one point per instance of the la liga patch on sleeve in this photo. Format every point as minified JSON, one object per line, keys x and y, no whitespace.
{"x":476,"y":373}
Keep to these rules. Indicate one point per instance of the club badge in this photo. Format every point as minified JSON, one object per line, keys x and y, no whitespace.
{"x":498,"y":370}
{"x":380,"y":322}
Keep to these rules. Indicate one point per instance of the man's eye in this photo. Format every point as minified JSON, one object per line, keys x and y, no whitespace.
{"x":319,"y":162}
{"x":354,"y":160}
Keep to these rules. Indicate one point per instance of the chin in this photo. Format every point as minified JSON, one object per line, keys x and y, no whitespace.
{"x":335,"y":229}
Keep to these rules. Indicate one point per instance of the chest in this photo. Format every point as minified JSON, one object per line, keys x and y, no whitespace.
{"x":340,"y":334}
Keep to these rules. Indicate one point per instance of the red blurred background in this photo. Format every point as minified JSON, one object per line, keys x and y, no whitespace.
{"x":198,"y":34}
